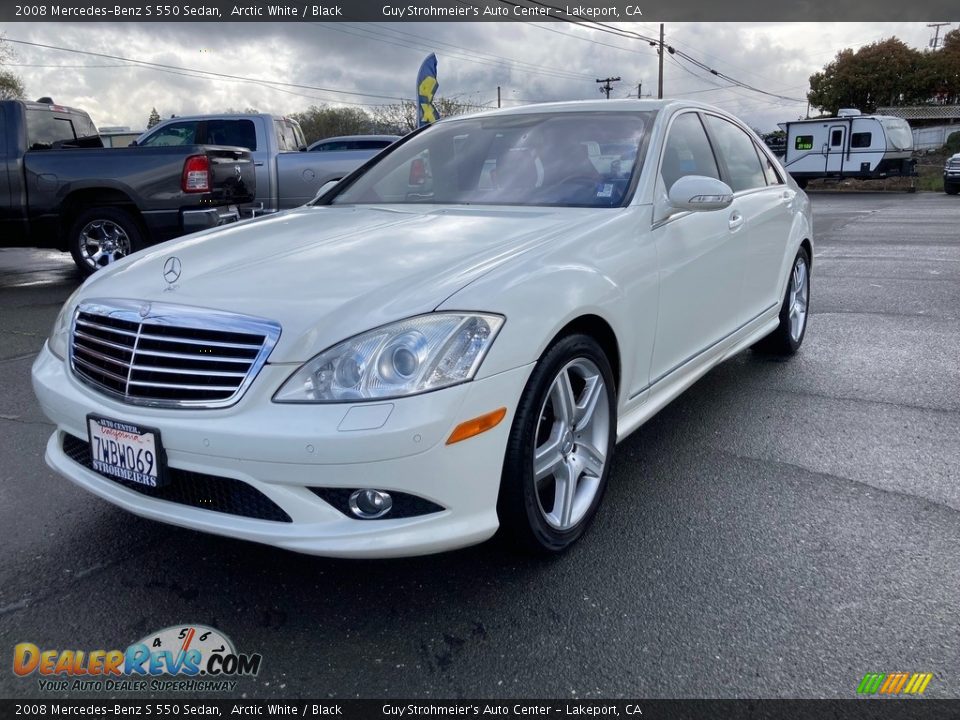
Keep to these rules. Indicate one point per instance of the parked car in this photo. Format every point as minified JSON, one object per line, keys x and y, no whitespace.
{"x":370,"y":144}
{"x":60,"y":188}
{"x":286,"y":177}
{"x":951,"y":175}
{"x":406,"y":370}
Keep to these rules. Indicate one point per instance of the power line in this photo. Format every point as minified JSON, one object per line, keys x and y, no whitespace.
{"x":163,"y":66}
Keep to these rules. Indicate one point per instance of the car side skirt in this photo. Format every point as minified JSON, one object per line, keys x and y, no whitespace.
{"x":650,"y":401}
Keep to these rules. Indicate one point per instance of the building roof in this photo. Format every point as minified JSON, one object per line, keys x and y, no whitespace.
{"x":923,"y":112}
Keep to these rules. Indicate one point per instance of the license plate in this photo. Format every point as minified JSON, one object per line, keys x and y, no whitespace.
{"x":125,"y":451}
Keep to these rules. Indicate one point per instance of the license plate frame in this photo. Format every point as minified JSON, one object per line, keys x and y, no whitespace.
{"x":136,"y":437}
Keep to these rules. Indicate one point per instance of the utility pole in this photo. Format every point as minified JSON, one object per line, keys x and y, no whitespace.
{"x":607,"y":87}
{"x":639,"y":91}
{"x":660,"y":86}
{"x":935,"y":42}
{"x":498,"y":96}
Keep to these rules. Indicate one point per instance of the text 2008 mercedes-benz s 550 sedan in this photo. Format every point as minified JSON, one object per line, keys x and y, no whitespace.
{"x":449,"y":341}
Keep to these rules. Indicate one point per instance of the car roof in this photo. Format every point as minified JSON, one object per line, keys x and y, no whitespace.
{"x":340,"y":138}
{"x":625,"y":105}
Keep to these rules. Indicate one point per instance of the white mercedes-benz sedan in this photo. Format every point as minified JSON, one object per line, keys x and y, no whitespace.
{"x":449,"y":341}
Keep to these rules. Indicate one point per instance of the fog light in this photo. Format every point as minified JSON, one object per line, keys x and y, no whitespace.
{"x":370,"y":504}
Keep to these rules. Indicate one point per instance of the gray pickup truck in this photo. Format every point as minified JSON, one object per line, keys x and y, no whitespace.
{"x":287,"y":177}
{"x":60,"y":188}
{"x":951,"y":175}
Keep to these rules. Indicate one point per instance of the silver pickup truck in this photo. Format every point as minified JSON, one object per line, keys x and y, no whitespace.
{"x":287,"y":175}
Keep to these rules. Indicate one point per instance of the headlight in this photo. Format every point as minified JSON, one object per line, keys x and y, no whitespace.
{"x":412,"y":356}
{"x":60,"y":335}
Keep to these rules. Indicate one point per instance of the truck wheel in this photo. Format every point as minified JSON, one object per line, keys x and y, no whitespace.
{"x":102,"y":235}
{"x":951,"y":189}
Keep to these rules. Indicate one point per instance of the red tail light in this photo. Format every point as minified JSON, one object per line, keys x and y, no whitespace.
{"x":196,"y":174}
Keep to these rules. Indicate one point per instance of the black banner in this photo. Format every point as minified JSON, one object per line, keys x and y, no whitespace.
{"x":525,"y":709}
{"x":604,"y":11}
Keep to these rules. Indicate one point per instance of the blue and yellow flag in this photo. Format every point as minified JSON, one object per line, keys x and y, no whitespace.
{"x":426,"y":90}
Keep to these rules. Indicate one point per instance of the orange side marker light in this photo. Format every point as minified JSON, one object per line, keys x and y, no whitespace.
{"x":476,"y":426}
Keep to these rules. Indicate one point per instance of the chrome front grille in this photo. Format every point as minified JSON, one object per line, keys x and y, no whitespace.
{"x":168,"y":355}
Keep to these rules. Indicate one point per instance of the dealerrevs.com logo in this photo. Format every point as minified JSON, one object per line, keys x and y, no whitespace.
{"x":186,"y":658}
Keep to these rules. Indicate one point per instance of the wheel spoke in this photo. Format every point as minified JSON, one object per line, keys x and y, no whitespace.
{"x":591,"y":458}
{"x":591,"y":394}
{"x":547,"y":457}
{"x":564,"y":402}
{"x":566,"y":490}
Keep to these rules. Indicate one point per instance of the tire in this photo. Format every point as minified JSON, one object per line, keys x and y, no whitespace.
{"x":951,"y":189}
{"x":537,"y":513}
{"x":102,"y":235}
{"x":794,"y":311}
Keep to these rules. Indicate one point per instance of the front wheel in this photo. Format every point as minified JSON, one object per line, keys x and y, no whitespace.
{"x":788,"y":336}
{"x":100,"y":236}
{"x":951,"y":189}
{"x":560,"y":447}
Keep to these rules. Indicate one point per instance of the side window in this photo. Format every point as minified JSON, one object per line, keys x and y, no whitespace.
{"x":3,"y":134}
{"x":803,"y":142}
{"x":861,"y":139}
{"x":181,"y":133}
{"x":236,"y":133}
{"x":738,"y":153}
{"x":44,"y":130}
{"x":769,"y":169}
{"x":836,"y":138}
{"x":687,"y":151}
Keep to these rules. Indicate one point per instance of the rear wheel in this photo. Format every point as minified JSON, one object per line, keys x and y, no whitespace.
{"x":560,"y":447}
{"x":788,"y":336}
{"x":100,"y":236}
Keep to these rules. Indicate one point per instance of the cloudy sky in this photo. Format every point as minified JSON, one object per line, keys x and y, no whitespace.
{"x":377,"y":62}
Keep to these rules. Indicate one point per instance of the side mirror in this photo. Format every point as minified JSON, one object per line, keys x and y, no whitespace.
{"x":697,"y":192}
{"x":326,"y":187}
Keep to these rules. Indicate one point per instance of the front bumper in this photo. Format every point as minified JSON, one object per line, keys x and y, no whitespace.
{"x":283,"y":450}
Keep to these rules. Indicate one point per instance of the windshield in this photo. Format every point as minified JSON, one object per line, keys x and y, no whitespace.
{"x":583,"y":159}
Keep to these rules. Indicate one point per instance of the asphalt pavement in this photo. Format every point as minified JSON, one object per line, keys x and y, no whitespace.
{"x":780,"y":530}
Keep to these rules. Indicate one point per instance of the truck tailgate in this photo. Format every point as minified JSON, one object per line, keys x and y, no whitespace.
{"x":232,"y":179}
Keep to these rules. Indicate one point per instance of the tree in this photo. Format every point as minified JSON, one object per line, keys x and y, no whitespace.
{"x":887,"y":72}
{"x":11,"y":86}
{"x":153,"y":119}
{"x":319,"y":122}
{"x":947,"y":68}
{"x":401,"y":118}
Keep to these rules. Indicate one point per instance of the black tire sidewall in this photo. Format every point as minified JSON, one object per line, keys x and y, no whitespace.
{"x":121,"y":217}
{"x":517,"y":504}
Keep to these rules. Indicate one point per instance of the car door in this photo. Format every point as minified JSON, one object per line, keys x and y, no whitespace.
{"x":766,"y":204}
{"x":698,"y":253}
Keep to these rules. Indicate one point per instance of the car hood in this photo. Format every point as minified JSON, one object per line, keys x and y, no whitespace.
{"x":326,"y":273}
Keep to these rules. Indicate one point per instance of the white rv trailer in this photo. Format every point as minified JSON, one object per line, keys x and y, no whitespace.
{"x":849,"y":145}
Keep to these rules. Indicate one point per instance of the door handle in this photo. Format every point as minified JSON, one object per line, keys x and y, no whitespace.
{"x":736,"y":221}
{"x":258,"y":164}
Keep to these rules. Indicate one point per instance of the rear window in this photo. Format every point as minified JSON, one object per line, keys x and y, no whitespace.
{"x":237,"y":133}
{"x":286,"y":135}
{"x":46,"y":129}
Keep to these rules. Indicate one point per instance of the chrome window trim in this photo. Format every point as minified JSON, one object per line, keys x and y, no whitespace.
{"x":179,"y":316}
